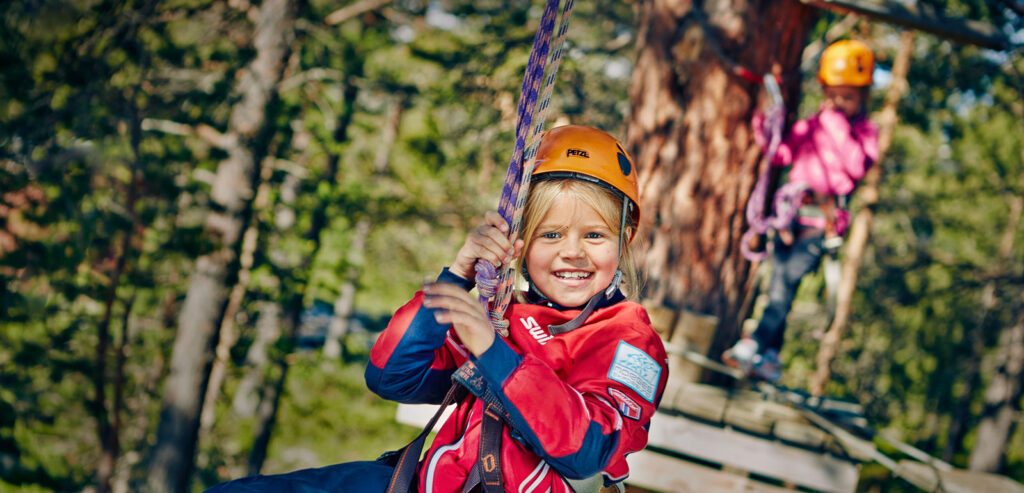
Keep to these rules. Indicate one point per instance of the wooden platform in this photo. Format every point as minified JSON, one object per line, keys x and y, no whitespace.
{"x":955,"y":480}
{"x":707,"y":438}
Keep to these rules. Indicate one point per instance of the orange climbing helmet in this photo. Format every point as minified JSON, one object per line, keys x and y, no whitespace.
{"x":846,"y":63}
{"x":589,"y":154}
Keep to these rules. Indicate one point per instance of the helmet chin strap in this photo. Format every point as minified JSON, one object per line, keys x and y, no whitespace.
{"x":584,"y":314}
{"x":607,"y":293}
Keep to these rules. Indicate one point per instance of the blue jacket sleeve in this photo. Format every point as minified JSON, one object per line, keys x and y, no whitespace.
{"x":413,"y":359}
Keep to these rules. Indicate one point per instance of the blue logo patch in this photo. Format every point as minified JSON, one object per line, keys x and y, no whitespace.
{"x":636,"y":370}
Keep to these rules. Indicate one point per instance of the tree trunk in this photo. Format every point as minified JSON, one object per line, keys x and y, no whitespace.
{"x":972,"y":375}
{"x":228,"y":333}
{"x":344,"y":306}
{"x":1002,"y":400}
{"x":270,"y":397}
{"x":268,"y":329}
{"x":861,"y":225}
{"x":109,"y":418}
{"x":690,"y":136}
{"x":171,"y":464}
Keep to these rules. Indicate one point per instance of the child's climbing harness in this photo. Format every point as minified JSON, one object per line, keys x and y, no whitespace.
{"x":492,"y":285}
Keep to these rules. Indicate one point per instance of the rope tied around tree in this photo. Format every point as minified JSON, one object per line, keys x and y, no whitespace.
{"x":495,"y":287}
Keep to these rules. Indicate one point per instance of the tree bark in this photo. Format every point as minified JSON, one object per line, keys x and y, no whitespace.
{"x":228,"y":333}
{"x":1002,"y":400}
{"x":1002,"y":397}
{"x":692,"y":100}
{"x":861,"y":225}
{"x":172,"y":458}
{"x":268,"y":329}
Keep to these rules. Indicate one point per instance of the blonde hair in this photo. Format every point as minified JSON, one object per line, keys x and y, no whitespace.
{"x":606,"y":202}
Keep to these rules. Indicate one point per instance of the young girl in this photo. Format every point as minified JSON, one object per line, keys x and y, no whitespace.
{"x":828,"y":154}
{"x":571,"y":390}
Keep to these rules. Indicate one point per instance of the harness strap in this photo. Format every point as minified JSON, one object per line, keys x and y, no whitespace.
{"x":489,"y":461}
{"x":472,"y":484}
{"x":486,"y":473}
{"x":584,"y":314}
{"x":408,"y":457}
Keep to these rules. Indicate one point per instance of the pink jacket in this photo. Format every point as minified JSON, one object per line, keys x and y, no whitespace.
{"x":828,"y":152}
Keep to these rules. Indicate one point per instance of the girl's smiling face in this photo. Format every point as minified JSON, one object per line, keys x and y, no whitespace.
{"x":573,"y":253}
{"x":847,"y":99}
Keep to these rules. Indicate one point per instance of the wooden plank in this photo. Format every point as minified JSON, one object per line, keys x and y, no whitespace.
{"x":750,"y":416}
{"x":706,"y":402}
{"x":801,"y":434}
{"x":955,"y":481}
{"x":769,"y":458}
{"x":419,"y":415}
{"x":659,"y":472}
{"x":693,"y":332}
{"x":750,"y":411}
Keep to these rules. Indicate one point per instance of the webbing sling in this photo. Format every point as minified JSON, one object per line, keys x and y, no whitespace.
{"x":490,"y":450}
{"x":487,"y":471}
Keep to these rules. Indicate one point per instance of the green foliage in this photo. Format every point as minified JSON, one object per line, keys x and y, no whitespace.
{"x":101,"y":101}
{"x":327,"y":416}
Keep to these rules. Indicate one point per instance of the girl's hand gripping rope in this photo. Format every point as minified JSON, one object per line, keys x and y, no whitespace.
{"x":489,"y":243}
{"x":486,"y":250}
{"x":454,"y":305}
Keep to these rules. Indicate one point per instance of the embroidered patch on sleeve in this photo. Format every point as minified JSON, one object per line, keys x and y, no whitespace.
{"x":636,"y":370}
{"x":627,"y":406}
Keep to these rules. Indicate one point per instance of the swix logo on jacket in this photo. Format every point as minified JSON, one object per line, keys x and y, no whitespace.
{"x":542,"y":336}
{"x":566,"y":395}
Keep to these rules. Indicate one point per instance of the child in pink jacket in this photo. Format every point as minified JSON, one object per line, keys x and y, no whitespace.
{"x":827,"y":154}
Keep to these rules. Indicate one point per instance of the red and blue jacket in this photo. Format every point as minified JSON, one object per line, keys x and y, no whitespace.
{"x":577,"y":402}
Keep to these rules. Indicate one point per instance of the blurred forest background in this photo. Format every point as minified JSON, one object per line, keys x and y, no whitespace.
{"x":208,"y":207}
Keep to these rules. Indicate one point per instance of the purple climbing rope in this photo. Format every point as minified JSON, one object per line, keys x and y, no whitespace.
{"x":788,"y":197}
{"x":495,"y":287}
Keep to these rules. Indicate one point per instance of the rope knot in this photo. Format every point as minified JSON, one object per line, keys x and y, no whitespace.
{"x":486,"y":280}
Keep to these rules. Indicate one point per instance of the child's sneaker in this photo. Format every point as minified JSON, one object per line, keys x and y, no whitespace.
{"x":741,"y":355}
{"x":767,"y":366}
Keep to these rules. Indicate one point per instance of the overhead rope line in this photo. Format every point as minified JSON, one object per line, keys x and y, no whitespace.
{"x":493,"y":285}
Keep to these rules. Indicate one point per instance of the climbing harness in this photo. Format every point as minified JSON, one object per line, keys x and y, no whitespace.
{"x":495,"y":287}
{"x":406,"y":459}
